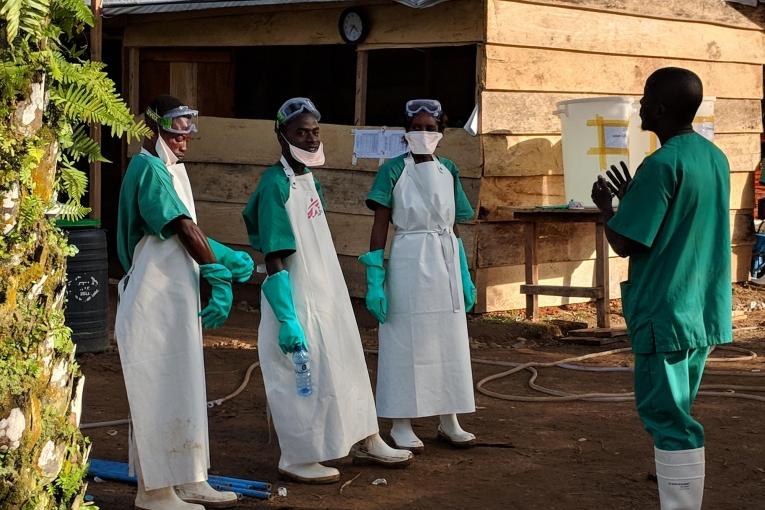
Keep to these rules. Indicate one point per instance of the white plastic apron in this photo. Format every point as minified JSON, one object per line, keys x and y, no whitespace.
{"x":424,"y":361}
{"x":341,"y":410}
{"x":159,"y":336}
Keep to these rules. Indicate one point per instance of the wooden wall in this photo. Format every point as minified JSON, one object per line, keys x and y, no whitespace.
{"x":532,"y":53}
{"x":541,"y":52}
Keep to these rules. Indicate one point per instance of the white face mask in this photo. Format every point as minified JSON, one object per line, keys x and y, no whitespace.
{"x":423,"y":142}
{"x":308,"y":158}
{"x":164,"y":152}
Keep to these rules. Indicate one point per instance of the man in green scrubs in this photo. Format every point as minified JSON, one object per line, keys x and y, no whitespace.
{"x":158,"y":328}
{"x":673,"y":224}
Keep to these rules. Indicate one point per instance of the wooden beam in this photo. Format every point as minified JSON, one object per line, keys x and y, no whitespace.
{"x":134,"y":80}
{"x":563,"y":291}
{"x":96,"y":55}
{"x":548,"y":26}
{"x":531,"y":268}
{"x":602,"y":276}
{"x":362,"y":65}
{"x":531,"y":113}
{"x":257,"y":145}
{"x":457,"y":21}
{"x":713,"y":12}
{"x":541,"y":69}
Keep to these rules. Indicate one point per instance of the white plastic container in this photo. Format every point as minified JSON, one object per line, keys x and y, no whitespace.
{"x":642,"y":143}
{"x":594,"y":135}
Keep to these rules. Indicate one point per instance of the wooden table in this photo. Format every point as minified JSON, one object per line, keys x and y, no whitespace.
{"x":532,"y":289}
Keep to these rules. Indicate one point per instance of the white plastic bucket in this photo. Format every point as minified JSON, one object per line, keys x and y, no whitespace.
{"x":642,"y":143}
{"x":594,"y":135}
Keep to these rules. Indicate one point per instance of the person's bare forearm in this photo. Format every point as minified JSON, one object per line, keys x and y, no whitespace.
{"x":194,"y":240}
{"x":275,"y":262}
{"x":379,"y":236}
{"x":623,"y":246}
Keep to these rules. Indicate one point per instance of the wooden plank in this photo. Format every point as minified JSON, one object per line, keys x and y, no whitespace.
{"x":601,"y":276}
{"x":531,"y":268}
{"x":522,"y":155}
{"x":362,"y":65}
{"x":453,"y":22}
{"x":250,"y":141}
{"x":534,"y":155}
{"x":536,"y":69}
{"x":520,"y":113}
{"x":134,"y":80}
{"x":499,"y":287}
{"x":706,"y":11}
{"x":517,"y":192}
{"x":183,"y":81}
{"x":96,"y":52}
{"x":502,"y":243}
{"x":558,"y":27}
{"x":344,"y":191}
{"x":742,"y":150}
{"x":350,"y":233}
{"x":559,"y":290}
{"x":741,"y":259}
{"x":742,"y":190}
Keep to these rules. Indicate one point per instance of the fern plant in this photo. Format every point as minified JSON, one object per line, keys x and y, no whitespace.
{"x":49,"y":93}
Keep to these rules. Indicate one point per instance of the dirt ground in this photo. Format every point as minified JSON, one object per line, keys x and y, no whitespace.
{"x":570,"y":455}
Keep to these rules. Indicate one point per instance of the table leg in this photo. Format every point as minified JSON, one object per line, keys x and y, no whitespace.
{"x":601,"y":275}
{"x":532,"y":270}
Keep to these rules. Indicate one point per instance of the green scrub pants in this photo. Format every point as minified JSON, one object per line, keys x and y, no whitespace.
{"x":666,"y":384}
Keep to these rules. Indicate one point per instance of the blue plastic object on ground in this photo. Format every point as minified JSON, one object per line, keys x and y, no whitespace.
{"x":118,"y":472}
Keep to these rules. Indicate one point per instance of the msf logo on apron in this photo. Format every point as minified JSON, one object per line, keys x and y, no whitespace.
{"x":314,"y":208}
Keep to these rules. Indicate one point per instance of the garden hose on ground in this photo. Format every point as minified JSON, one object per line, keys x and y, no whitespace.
{"x":569,"y":364}
{"x":722,"y":390}
{"x":210,"y":404}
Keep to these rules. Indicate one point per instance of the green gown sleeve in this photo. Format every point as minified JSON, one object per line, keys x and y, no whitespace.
{"x":158,"y":202}
{"x":464,"y":211}
{"x":265,"y":216}
{"x":644,"y":206}
{"x":385,"y":180}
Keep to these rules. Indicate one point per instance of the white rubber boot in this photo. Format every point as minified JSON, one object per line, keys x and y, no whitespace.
{"x":203,"y":494}
{"x":449,"y":430}
{"x":313,"y":473}
{"x":680,"y":475}
{"x":404,"y":437}
{"x":376,"y":451}
{"x":159,"y":499}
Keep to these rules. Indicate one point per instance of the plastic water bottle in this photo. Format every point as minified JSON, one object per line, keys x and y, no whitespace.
{"x":302,"y":362}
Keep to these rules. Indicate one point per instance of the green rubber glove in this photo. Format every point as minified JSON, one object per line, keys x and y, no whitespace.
{"x":238,"y":262}
{"x":468,"y":289}
{"x":377,"y":303}
{"x":278,"y":291}
{"x":217,"y":309}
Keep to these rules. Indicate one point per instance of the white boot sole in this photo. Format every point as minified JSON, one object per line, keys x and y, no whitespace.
{"x":321,"y":480}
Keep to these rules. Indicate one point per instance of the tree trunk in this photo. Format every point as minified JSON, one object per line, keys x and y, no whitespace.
{"x":43,"y":455}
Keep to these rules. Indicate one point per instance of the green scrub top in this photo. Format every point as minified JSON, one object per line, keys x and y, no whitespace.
{"x":679,"y":294}
{"x":148,"y":203}
{"x":389,"y":173}
{"x":265,"y":216}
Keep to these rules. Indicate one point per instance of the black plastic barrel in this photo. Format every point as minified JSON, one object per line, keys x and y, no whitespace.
{"x":87,"y":289}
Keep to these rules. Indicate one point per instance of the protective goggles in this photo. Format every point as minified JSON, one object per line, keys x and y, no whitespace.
{"x":179,"y":121}
{"x":294,"y":107}
{"x":430,"y":106}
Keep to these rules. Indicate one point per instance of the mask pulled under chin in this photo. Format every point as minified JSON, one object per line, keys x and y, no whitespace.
{"x":423,"y":142}
{"x":164,"y":152}
{"x":308,"y":158}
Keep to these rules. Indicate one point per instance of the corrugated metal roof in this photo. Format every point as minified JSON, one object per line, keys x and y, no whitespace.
{"x":114,"y":7}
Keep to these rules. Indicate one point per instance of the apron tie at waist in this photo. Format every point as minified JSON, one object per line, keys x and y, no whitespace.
{"x":448,"y":249}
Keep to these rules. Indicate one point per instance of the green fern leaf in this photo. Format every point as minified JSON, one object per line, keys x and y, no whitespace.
{"x":11,"y":11}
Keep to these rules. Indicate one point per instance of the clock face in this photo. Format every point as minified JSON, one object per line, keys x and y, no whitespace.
{"x":353,"y":26}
